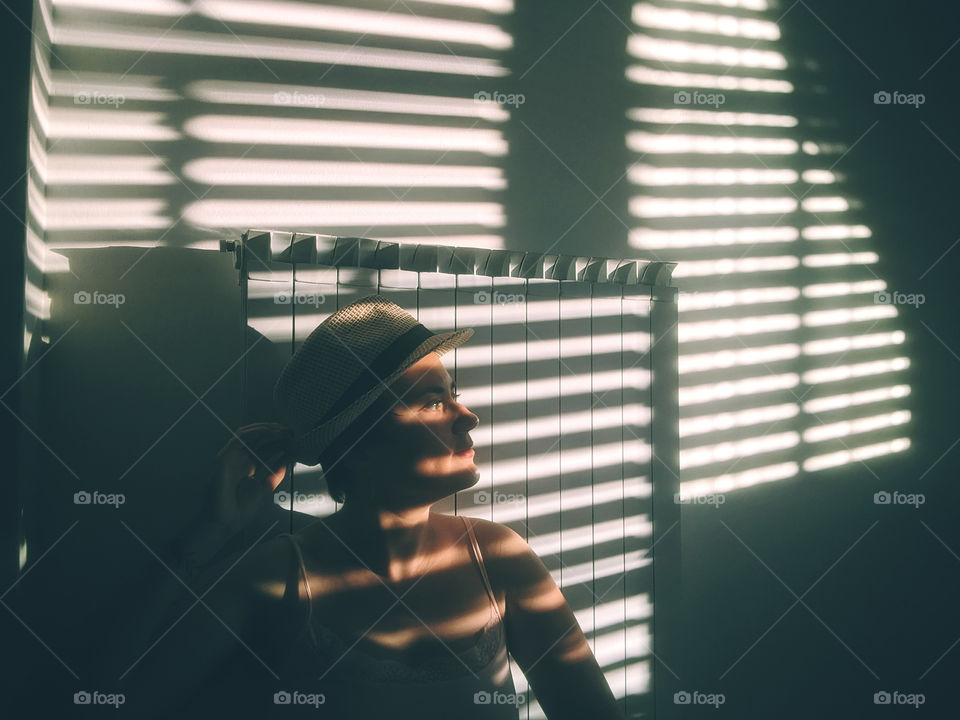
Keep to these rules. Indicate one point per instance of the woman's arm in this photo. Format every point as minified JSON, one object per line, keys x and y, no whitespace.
{"x":249,"y":468}
{"x":250,"y":615}
{"x":542,"y":632}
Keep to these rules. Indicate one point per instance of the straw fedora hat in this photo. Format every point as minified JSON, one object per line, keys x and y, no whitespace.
{"x":345,"y":364}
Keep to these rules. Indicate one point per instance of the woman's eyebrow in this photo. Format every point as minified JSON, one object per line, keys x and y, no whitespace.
{"x":434,"y":389}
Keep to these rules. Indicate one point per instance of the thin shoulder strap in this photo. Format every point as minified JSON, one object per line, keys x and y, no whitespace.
{"x":483,"y":570}
{"x":306,"y":584}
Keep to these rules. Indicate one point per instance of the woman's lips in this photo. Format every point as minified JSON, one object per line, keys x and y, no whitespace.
{"x":465,"y":453}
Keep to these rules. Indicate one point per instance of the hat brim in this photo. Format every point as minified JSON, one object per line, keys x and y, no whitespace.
{"x":308,"y":447}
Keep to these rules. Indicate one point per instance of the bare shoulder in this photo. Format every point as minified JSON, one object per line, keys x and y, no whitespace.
{"x":497,"y":540}
{"x":509,"y":559}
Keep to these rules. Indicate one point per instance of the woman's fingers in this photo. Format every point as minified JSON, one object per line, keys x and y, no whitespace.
{"x":259,"y":441}
{"x":264,"y":480}
{"x":254,"y":462}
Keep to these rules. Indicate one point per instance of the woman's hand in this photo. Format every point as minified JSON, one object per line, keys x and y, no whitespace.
{"x":249,"y":468}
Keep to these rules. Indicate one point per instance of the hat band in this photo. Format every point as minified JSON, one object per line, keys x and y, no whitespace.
{"x":385,"y":363}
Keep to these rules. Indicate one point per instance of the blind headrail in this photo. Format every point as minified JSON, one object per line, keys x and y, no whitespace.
{"x":335,"y":251}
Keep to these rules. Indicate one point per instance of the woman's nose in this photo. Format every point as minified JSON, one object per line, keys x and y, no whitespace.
{"x":467,"y":421}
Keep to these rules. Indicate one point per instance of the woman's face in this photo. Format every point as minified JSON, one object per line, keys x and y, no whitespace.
{"x":421,"y":453}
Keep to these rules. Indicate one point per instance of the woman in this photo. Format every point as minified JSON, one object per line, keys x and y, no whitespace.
{"x":387,"y":606}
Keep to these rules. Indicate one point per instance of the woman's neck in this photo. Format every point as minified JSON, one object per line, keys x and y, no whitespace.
{"x":394,"y":544}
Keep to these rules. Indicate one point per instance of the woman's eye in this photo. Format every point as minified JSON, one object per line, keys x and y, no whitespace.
{"x":438,"y":402}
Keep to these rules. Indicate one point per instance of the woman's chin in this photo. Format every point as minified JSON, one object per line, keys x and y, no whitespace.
{"x":437,"y":488}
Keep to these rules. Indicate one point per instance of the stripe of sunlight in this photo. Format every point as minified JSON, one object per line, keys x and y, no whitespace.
{"x":834,"y":259}
{"x":666,"y":239}
{"x":863,"y":287}
{"x":164,"y":8}
{"x":727,"y":266}
{"x":865,"y":397}
{"x":825,"y":204}
{"x":301,"y":214}
{"x":836,"y":232}
{"x":704,"y":424}
{"x":677,"y":116}
{"x":653,"y":207}
{"x":307,"y":173}
{"x":131,"y":87}
{"x":856,"y":370}
{"x":264,"y":49}
{"x":635,"y":415}
{"x":670,"y":78}
{"x":664,"y":176}
{"x":855,"y":342}
{"x":333,"y":133}
{"x":611,"y":614}
{"x":352,"y":20}
{"x":854,"y":427}
{"x":738,"y":358}
{"x":587,"y":572}
{"x":76,"y":169}
{"x":494,"y":6}
{"x":545,"y":504}
{"x":265,"y":94}
{"x":573,"y":460}
{"x":644,"y":142}
{"x":712,"y":329}
{"x":732,"y":298}
{"x":634,"y":526}
{"x":95,"y":124}
{"x":103,"y":214}
{"x":678,"y":20}
{"x":843,"y":316}
{"x":857,"y":454}
{"x":36,"y":302}
{"x":746,"y":4}
{"x":726,"y":451}
{"x":727,"y":56}
{"x":820,"y":177}
{"x":712,"y":392}
{"x":39,"y":255}
{"x":734,"y":481}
